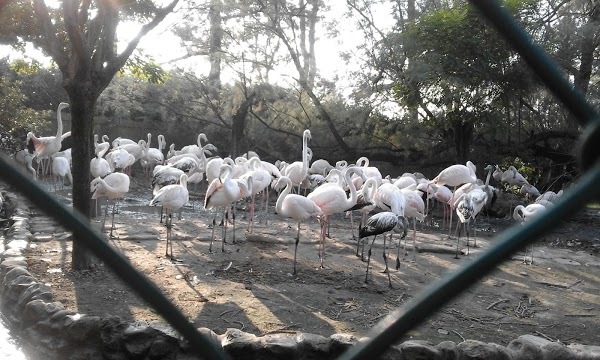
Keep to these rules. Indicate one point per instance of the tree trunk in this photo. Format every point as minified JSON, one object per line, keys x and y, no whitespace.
{"x":82,"y":118}
{"x":214,"y":49}
{"x":238,"y":124}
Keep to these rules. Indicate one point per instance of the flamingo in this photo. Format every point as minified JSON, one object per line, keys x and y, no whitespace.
{"x":60,"y":169}
{"x":154,"y":156}
{"x":320,"y":166}
{"x":383,"y":223}
{"x":113,"y":186}
{"x":261,"y":180}
{"x":118,"y":159}
{"x":44,"y":147}
{"x":294,"y":206}
{"x":298,"y":170}
{"x":480,"y":199}
{"x":364,"y":205}
{"x":456,"y":175}
{"x":524,"y":214}
{"x":171,"y":198}
{"x":389,"y":198}
{"x":415,"y":208}
{"x":122,"y":141}
{"x":221,"y":192}
{"x":369,"y":171}
{"x":529,"y":190}
{"x":332,"y":199}
{"x":245,"y":186}
{"x":464,"y":210}
{"x":164,"y":175}
{"x":99,"y":166}
{"x":24,"y":158}
{"x":195,"y":149}
{"x":513,"y":177}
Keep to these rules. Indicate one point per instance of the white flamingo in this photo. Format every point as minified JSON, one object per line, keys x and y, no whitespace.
{"x":44,"y":147}
{"x":369,"y":171}
{"x":382,"y":223}
{"x":415,"y":209}
{"x":171,"y":198}
{"x":261,"y":180}
{"x":456,"y":175}
{"x":221,"y":192}
{"x":294,"y":206}
{"x":24,"y":158}
{"x":524,"y":214}
{"x":154,"y":156}
{"x":320,"y":166}
{"x":195,"y":149}
{"x":113,"y":186}
{"x":60,"y":169}
{"x":99,"y":166}
{"x":513,"y":177}
{"x":298,"y":170}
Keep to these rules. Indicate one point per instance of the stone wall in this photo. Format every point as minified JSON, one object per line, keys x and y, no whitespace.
{"x":58,"y":333}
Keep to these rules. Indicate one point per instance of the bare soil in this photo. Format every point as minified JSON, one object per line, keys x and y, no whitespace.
{"x":250,"y":286}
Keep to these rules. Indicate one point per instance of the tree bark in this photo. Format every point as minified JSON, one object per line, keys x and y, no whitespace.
{"x":238,"y":124}
{"x":82,"y":119}
{"x":214,"y":48}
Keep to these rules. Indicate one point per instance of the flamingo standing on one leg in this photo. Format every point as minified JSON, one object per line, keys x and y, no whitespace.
{"x":171,"y":198}
{"x":296,"y":207}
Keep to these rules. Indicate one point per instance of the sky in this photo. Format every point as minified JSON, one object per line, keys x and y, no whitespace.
{"x":163,"y":46}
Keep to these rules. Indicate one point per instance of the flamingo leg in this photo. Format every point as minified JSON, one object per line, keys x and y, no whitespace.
{"x":233,"y":220}
{"x":212,"y":238}
{"x":296,"y":247}
{"x":102,"y":227}
{"x":225,"y":216}
{"x":415,"y":241}
{"x":451,"y":203}
{"x":467,"y":232}
{"x":369,"y":259}
{"x":386,"y":264}
{"x":112,"y":226}
{"x":457,"y":239}
{"x":352,"y":227}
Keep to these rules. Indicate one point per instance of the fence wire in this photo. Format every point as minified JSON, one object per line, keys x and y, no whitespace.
{"x":394,"y":326}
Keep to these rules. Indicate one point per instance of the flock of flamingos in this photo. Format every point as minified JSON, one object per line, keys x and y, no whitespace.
{"x":331,"y":189}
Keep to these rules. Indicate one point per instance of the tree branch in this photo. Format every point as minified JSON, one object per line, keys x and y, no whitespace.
{"x":80,"y":48}
{"x":114,"y":65}
{"x":51,"y":43}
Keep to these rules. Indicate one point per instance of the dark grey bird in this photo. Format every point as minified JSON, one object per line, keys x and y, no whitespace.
{"x":382,"y":223}
{"x":465,"y":210}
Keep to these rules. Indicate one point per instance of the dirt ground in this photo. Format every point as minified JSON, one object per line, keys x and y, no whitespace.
{"x":250,"y":286}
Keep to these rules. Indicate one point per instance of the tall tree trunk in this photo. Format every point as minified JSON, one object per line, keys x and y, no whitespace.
{"x":214,"y":49}
{"x":82,"y":115}
{"x":238,"y":124}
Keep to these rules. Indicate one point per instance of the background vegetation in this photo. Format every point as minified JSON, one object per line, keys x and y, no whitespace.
{"x":457,"y":90}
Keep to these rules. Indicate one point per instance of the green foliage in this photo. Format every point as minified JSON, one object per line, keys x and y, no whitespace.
{"x":16,"y":119}
{"x":22,"y":67}
{"x":145,"y":69}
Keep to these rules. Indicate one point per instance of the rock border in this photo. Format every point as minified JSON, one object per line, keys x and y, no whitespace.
{"x":54,"y":332}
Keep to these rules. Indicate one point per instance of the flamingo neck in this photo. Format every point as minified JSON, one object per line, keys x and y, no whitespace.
{"x":284,"y":193}
{"x":304,"y":154}
{"x":487,"y":179}
{"x":353,"y":193}
{"x":59,"y":128}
